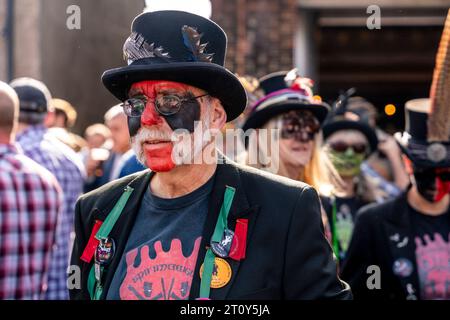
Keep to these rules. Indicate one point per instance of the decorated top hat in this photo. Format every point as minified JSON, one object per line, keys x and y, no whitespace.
{"x":284,"y":91}
{"x":343,"y":119}
{"x":182,"y":47}
{"x":414,"y":140}
{"x":426,"y":140}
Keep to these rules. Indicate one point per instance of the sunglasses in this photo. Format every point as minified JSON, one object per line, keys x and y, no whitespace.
{"x":165,"y":105}
{"x":301,"y":126}
{"x":340,"y":146}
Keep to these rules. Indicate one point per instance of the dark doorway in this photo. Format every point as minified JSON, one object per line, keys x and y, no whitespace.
{"x":387,"y":66}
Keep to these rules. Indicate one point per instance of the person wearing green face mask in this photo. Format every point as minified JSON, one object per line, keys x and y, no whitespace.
{"x":348,"y":142}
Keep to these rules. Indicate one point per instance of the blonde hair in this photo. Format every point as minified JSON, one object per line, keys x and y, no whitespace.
{"x":319,"y":172}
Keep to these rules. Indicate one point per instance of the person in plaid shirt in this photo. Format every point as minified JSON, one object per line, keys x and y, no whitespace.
{"x":60,"y":160}
{"x":30,"y":199}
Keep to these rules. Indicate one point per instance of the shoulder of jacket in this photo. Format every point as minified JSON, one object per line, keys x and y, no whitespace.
{"x":376,"y":211}
{"x":257,"y":176}
{"x":111,"y":190}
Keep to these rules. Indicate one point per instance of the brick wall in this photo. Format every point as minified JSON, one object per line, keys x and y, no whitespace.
{"x":260,"y":34}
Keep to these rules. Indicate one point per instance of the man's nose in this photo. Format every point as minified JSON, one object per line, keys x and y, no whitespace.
{"x":150,"y":116}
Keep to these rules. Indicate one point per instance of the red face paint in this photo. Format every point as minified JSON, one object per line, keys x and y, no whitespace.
{"x":158,"y":156}
{"x":151,"y":88}
{"x":442,"y":189}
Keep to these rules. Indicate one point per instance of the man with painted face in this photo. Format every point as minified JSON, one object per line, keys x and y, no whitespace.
{"x":408,"y":238}
{"x":196,"y":225}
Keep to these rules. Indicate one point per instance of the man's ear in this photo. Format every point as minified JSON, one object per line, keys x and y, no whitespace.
{"x":218,"y":114}
{"x":408,"y":165}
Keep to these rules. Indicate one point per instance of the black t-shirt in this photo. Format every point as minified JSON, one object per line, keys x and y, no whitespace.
{"x":161,"y":253}
{"x":432,"y":250}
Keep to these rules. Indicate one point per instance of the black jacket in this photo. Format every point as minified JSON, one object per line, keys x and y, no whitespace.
{"x":382,"y":235}
{"x":287,"y":254}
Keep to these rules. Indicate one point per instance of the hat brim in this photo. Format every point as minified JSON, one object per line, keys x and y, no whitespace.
{"x":404,"y":140}
{"x":214,"y":79}
{"x":259,"y":118}
{"x":365,"y":129}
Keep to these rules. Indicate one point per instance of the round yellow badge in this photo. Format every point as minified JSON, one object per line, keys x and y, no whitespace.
{"x":221,"y":273}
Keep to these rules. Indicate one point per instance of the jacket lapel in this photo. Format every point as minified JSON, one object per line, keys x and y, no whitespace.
{"x":124,"y":224}
{"x":400,"y":237}
{"x":226,"y":175}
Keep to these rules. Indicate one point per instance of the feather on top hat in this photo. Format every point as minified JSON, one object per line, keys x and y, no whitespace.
{"x":182,"y":47}
{"x":343,"y":119}
{"x":284,"y":91}
{"x":426,"y":140}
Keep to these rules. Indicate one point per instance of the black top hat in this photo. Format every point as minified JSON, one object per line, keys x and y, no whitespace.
{"x":284,"y":91}
{"x":182,"y":47}
{"x":339,"y":120}
{"x":414,"y":141}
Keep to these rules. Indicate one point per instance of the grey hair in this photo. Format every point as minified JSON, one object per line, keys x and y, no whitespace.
{"x":113,"y":112}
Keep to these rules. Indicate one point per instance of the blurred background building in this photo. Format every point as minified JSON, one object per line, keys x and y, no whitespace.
{"x":327,"y":40}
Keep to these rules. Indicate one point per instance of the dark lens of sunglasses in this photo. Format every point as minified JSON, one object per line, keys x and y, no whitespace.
{"x":134,"y":107}
{"x":339,"y":146}
{"x":168,"y":105}
{"x":359,"y":148}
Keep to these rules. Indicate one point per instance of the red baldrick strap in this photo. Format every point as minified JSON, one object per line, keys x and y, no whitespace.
{"x":239,"y":244}
{"x":91,"y":246}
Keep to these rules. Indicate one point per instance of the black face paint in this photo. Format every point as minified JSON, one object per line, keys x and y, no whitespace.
{"x":430,"y":184}
{"x":134,"y":124}
{"x":185,"y":118}
{"x":426,"y":185}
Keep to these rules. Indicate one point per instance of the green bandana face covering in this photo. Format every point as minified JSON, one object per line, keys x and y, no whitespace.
{"x":348,"y":163}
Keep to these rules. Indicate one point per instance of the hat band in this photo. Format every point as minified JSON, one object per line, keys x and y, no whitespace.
{"x":430,"y":152}
{"x":153,"y":60}
{"x":285,"y":96}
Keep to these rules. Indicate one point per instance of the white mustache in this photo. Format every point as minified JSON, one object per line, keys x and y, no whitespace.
{"x":146,"y":134}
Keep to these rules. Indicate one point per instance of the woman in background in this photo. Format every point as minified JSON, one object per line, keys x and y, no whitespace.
{"x":291,"y":143}
{"x":349,"y":141}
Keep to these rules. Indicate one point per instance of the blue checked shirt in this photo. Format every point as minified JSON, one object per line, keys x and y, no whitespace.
{"x":63,"y":162}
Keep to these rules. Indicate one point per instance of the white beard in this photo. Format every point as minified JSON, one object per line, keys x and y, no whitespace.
{"x":143,"y":135}
{"x":187,"y":146}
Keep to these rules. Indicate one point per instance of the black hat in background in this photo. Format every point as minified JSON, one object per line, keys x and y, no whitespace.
{"x":182,"y":47}
{"x":284,"y":91}
{"x":34,"y":95}
{"x":426,"y":140}
{"x":343,"y":119}
{"x":414,"y":140}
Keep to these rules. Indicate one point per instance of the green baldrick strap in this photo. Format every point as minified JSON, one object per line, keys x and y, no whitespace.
{"x":221,"y":225}
{"x":114,"y":215}
{"x":334,"y":235}
{"x":95,"y":288}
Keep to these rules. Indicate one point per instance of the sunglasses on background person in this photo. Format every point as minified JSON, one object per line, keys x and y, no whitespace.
{"x":299,"y":125}
{"x":341,"y":146}
{"x":165,"y":105}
